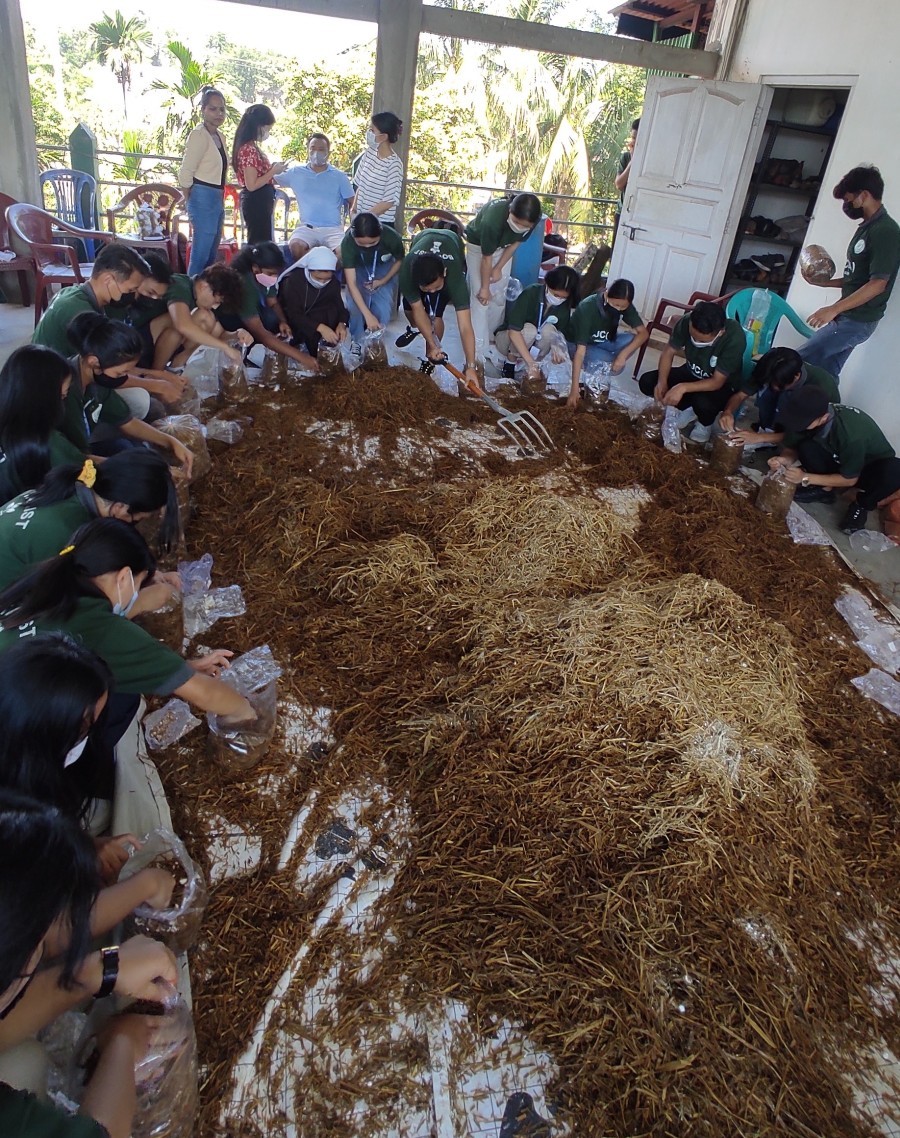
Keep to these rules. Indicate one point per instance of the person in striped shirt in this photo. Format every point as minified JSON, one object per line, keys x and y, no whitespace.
{"x":379,"y":174}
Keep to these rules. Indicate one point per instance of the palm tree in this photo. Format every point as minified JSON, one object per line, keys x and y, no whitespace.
{"x":183,"y":98}
{"x":120,"y":43}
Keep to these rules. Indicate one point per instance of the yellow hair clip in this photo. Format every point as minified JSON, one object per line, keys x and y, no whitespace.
{"x":88,"y":475}
{"x":68,"y":549}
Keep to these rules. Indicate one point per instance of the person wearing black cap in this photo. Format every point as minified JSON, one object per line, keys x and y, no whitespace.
{"x":829,"y":448}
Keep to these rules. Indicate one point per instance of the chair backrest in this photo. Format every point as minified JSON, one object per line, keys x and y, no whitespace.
{"x":232,"y":199}
{"x":762,"y":337}
{"x":74,"y":193}
{"x":164,"y":199}
{"x":5,"y":202}
{"x":34,"y":228}
{"x":426,"y":218}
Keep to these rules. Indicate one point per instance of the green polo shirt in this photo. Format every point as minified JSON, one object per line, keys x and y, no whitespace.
{"x":592,"y":324}
{"x":388,"y":250}
{"x":531,"y":307}
{"x":851,"y":441}
{"x":83,"y":410}
{"x":809,"y":373}
{"x":62,"y":452}
{"x":24,"y":1116}
{"x":181,"y":288}
{"x":29,"y":535}
{"x":873,"y":254}
{"x":489,"y":230}
{"x":725,"y":354}
{"x":52,"y":331}
{"x":140,"y":665}
{"x":447,"y":245}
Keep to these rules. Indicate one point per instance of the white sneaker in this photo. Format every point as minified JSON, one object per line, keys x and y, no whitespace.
{"x":701,"y":434}
{"x":685,"y":418}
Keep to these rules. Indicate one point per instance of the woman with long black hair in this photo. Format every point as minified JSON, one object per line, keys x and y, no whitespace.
{"x":597,"y":335}
{"x":34,"y":383}
{"x":131,"y":486}
{"x":255,"y":173}
{"x":537,"y":311}
{"x":372,"y":255}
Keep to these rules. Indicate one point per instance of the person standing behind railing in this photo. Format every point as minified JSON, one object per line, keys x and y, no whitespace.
{"x":255,"y":173}
{"x":379,"y":175}
{"x":201,"y":177}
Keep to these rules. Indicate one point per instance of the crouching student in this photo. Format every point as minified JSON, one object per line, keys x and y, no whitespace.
{"x":597,"y":334}
{"x":310,"y":297}
{"x":779,"y":370}
{"x":192,"y":303}
{"x":48,"y":883}
{"x":831,"y":448}
{"x":371,"y":255}
{"x":539,"y":310}
{"x":713,"y":348}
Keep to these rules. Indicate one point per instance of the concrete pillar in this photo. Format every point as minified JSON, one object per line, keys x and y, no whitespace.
{"x":396,"y":56}
{"x":17,"y":144}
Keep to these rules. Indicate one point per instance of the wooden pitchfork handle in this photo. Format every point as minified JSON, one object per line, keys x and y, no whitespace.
{"x":470,"y":385}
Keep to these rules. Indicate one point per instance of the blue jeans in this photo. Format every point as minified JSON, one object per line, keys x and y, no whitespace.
{"x":382,"y":303}
{"x":607,"y":350}
{"x":206,"y":209}
{"x":830,"y":347}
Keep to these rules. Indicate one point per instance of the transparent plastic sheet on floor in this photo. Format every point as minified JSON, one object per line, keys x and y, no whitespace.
{"x":170,"y":723}
{"x":196,"y":576}
{"x":224,"y":431}
{"x":238,"y":747}
{"x":877,"y":637}
{"x":202,"y":610}
{"x":870,"y":541}
{"x":670,"y":433}
{"x":202,"y":370}
{"x":634,"y":403}
{"x":374,"y":353}
{"x":805,"y":530}
{"x":190,"y":432}
{"x":178,"y":926}
{"x":878,"y":686}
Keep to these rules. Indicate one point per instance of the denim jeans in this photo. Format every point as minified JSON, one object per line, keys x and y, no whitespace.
{"x":206,"y":209}
{"x":830,"y":347}
{"x":607,"y":350}
{"x":382,"y":303}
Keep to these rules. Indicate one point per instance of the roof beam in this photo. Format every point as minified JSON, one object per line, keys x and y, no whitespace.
{"x":365,"y":10}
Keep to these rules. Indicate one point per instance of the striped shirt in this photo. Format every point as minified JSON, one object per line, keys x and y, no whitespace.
{"x":378,"y":180}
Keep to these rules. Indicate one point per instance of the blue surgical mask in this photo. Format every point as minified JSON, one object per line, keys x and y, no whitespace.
{"x":123,"y":610}
{"x":75,"y":753}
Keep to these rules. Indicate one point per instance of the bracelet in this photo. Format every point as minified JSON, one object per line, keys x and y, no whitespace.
{"x":110,"y":959}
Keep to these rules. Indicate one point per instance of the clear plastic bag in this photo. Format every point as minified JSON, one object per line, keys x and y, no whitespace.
{"x":670,"y":432}
{"x":596,"y":379}
{"x":166,"y":623}
{"x":170,"y":723}
{"x":775,"y":495}
{"x":374,"y":353}
{"x":196,"y":576}
{"x":189,"y":431}
{"x":330,"y":359}
{"x":879,"y":687}
{"x":632,"y":402}
{"x":203,"y":371}
{"x":650,"y":421}
{"x":870,"y":541}
{"x":166,"y":1079}
{"x":237,"y":747}
{"x":224,"y":431}
{"x":179,"y":925}
{"x":877,"y":637}
{"x":513,"y":289}
{"x":727,"y":454}
{"x":189,"y":403}
{"x":557,"y":376}
{"x":816,"y":264}
{"x":757,"y":314}
{"x":253,"y":671}
{"x":202,"y":610}
{"x":235,"y":388}
{"x":805,"y":530}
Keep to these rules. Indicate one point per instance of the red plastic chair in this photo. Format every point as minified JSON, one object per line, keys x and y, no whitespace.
{"x":54,"y":264}
{"x":20,"y":264}
{"x":426,"y":218}
{"x":666,"y":324}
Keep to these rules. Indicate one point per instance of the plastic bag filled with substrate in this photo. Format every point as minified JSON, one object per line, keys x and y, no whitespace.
{"x":196,"y":576}
{"x":166,"y":624}
{"x":170,"y":723}
{"x":235,"y":388}
{"x":238,"y":746}
{"x":203,"y":372}
{"x":775,"y":494}
{"x":179,"y":925}
{"x":558,"y":376}
{"x":670,"y":432}
{"x":189,"y":403}
{"x":224,"y":431}
{"x":649,"y":422}
{"x":816,"y":265}
{"x":202,"y":610}
{"x":166,"y":1079}
{"x":727,"y":454}
{"x":596,"y":379}
{"x":330,"y":359}
{"x":189,"y":431}
{"x":374,"y":353}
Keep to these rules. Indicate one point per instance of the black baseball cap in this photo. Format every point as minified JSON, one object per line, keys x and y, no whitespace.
{"x":800,"y":406}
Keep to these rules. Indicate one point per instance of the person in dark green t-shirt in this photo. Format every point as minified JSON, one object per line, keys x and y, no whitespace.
{"x":713,"y":348}
{"x":873,"y":258}
{"x":192,"y":305}
{"x":779,"y":370}
{"x":597,"y":336}
{"x":536,"y":313}
{"x":833,"y":448}
{"x":371,"y":256}
{"x":494,"y":234}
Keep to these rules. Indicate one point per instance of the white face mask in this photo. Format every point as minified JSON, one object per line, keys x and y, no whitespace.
{"x":554,"y":300}
{"x":123,"y":610}
{"x":312,"y":280}
{"x":318,"y":158}
{"x":371,"y":140}
{"x":703,"y":343}
{"x":518,"y":228}
{"x":76,"y":752}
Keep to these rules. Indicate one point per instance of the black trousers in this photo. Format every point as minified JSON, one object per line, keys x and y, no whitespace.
{"x":257,"y":210}
{"x":706,"y":404}
{"x":877,"y":480}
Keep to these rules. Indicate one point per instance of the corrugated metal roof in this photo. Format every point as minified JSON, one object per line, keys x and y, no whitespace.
{"x":669,"y":20}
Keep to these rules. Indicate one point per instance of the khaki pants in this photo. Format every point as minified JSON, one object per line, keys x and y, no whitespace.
{"x":25,"y":1066}
{"x":529,"y":334}
{"x":140,"y":802}
{"x":486,"y":318}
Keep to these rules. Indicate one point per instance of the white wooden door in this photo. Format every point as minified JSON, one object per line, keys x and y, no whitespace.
{"x":692,"y":165}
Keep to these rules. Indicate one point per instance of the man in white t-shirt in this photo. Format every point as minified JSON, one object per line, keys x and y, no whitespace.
{"x":323,"y":196}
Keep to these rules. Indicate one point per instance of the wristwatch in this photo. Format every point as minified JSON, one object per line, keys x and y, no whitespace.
{"x":109,"y":957}
{"x":804,"y":481}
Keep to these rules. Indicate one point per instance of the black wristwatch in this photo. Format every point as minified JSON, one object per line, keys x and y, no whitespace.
{"x":110,"y":960}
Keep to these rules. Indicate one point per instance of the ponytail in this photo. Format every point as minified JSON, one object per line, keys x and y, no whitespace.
{"x":53,"y":589}
{"x":266,"y":254}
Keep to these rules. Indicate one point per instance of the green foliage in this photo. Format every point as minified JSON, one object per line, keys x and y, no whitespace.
{"x":256,"y":76}
{"x":336,"y":103}
{"x":182,"y":98}
{"x":120,"y":42}
{"x":129,"y":168}
{"x":49,"y":127}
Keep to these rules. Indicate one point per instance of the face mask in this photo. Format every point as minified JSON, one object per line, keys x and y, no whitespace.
{"x":518,"y":228}
{"x":856,"y":212}
{"x":612,"y":313}
{"x":266,"y":279}
{"x":76,"y":752}
{"x":312,"y":280}
{"x":103,"y":380}
{"x":123,"y":610}
{"x":318,"y":158}
{"x":370,"y":139}
{"x":554,"y":300}
{"x":703,"y":343}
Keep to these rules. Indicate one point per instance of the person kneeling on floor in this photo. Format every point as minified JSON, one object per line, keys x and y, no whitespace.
{"x":713,"y":348}
{"x":832,"y":447}
{"x":311,"y":300}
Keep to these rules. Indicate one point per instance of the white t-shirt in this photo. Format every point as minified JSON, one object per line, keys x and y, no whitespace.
{"x":378,"y":180}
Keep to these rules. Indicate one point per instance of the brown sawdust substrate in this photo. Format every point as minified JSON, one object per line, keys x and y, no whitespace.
{"x":591,"y":892}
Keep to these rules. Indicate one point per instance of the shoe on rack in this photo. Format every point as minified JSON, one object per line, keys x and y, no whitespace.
{"x":700,"y":433}
{"x":407,"y":337}
{"x":854,"y":519}
{"x":813,"y":494}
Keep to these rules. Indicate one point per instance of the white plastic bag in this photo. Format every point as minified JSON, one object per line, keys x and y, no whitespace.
{"x":170,"y":723}
{"x":179,"y":925}
{"x":670,"y":431}
{"x":202,"y":610}
{"x":878,"y":637}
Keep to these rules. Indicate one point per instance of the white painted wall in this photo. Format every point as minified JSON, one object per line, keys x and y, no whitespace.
{"x":826,"y":43}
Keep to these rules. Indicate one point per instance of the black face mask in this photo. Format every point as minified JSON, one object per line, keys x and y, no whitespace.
{"x":107,"y":381}
{"x":856,"y":212}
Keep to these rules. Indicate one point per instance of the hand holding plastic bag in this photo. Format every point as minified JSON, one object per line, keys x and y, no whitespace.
{"x":179,"y":925}
{"x":374,"y":353}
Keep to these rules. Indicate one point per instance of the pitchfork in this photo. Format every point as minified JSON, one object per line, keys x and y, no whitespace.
{"x":521,"y":427}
